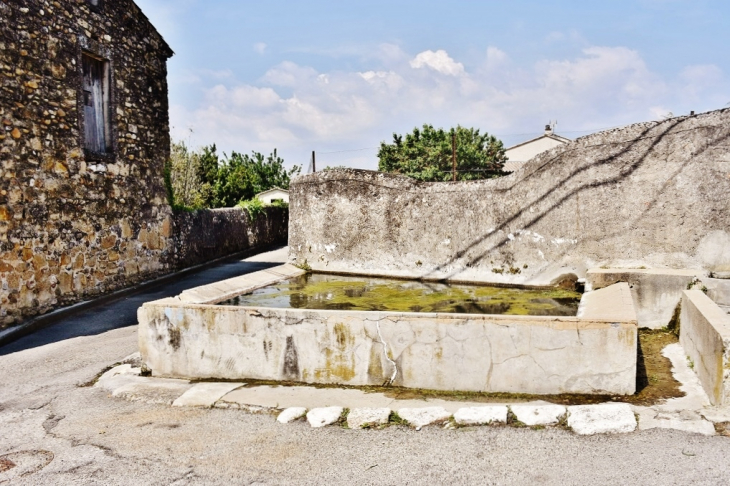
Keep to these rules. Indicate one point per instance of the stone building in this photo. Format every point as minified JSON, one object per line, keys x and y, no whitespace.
{"x":84,"y":137}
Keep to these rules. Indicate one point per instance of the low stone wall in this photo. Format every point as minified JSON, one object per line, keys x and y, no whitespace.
{"x":32,"y":283}
{"x":705,"y":337}
{"x":652,"y":194}
{"x":656,"y":292}
{"x":207,"y":234}
{"x":188,"y":337}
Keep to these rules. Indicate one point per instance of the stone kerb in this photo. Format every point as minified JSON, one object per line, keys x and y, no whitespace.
{"x":656,"y":292}
{"x":188,"y":337}
{"x":705,"y":337}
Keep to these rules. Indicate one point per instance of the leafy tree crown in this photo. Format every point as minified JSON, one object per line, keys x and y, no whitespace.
{"x":426,"y":154}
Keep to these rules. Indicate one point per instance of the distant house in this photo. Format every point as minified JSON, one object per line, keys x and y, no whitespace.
{"x":274,"y":194}
{"x":521,"y":153}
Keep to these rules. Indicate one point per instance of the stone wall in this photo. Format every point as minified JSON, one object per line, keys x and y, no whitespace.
{"x":73,"y":223}
{"x":652,"y":194}
{"x":207,"y":234}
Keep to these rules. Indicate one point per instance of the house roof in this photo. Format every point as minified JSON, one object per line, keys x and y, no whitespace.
{"x":511,"y":166}
{"x":557,"y":138}
{"x":273,"y":189}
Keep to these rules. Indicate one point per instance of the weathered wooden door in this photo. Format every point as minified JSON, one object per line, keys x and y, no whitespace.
{"x":95,"y":105}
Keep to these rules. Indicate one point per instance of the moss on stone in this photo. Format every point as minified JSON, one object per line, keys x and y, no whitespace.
{"x":318,"y":291}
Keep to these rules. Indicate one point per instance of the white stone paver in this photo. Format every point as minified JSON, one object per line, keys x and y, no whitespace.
{"x":490,"y":414}
{"x":538,"y":414}
{"x":716,"y":414}
{"x":419,"y":417}
{"x":361,"y":417}
{"x":319,"y":417}
{"x":205,"y":394}
{"x":291,"y":414}
{"x":124,"y":369}
{"x":605,"y":418}
{"x":649,"y":418}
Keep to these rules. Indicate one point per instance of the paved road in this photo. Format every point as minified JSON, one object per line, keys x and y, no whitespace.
{"x":96,"y":439}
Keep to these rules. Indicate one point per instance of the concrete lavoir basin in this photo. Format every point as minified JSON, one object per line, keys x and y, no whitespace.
{"x":594,"y":352}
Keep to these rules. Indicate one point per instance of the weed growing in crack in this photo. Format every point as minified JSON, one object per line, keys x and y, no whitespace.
{"x":512,"y":420}
{"x":563,"y":421}
{"x":395,"y":419}
{"x":342,"y":421}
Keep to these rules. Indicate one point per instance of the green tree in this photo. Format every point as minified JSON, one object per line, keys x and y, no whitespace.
{"x":203,"y":179}
{"x":242,"y":176}
{"x":181,"y":177}
{"x":426,"y":154}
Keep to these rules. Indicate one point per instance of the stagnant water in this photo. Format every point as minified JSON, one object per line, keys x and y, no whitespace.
{"x":338,"y":292}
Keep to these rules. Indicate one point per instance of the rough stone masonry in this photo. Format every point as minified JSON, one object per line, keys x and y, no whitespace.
{"x":83,"y":139}
{"x":652,"y":194}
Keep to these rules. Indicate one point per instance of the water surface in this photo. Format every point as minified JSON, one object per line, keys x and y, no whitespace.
{"x":338,"y":292}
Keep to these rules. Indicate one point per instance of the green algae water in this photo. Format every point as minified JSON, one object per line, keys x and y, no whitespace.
{"x":338,"y":292}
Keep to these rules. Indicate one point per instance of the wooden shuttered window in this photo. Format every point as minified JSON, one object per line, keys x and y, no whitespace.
{"x":96,"y":104}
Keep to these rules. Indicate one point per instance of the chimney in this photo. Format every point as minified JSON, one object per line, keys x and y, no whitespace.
{"x":548,"y":130}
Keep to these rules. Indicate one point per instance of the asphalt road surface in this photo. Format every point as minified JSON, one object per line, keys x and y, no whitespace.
{"x":55,"y":431}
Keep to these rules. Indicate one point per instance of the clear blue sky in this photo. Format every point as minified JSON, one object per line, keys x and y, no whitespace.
{"x":335,"y":76}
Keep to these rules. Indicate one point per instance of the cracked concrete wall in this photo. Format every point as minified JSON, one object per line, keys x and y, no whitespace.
{"x":491,"y":353}
{"x":652,"y":194}
{"x":705,"y":337}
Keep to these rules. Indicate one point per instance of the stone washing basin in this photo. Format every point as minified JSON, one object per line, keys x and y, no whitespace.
{"x":189,"y":336}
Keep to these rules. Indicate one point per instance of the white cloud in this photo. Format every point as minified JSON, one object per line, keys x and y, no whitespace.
{"x":298,"y":109}
{"x":438,"y":61}
{"x":289,"y":74}
{"x":495,"y":56}
{"x":260,"y":47}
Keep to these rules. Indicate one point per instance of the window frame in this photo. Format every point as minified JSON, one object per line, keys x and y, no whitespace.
{"x":96,"y":51}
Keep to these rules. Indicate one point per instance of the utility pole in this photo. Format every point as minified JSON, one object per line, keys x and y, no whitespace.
{"x":453,"y":153}
{"x":314,"y":163}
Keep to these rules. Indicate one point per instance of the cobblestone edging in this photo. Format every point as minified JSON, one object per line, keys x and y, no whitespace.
{"x":691,"y":413}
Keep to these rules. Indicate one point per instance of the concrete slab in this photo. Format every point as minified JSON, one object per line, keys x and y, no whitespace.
{"x":153,"y":390}
{"x":125,"y":369}
{"x":495,"y":414}
{"x":279,"y":397}
{"x":538,"y":414}
{"x":365,"y":417}
{"x":718,"y":290}
{"x":420,"y":417}
{"x":610,"y":303}
{"x":650,"y":418}
{"x":320,"y":417}
{"x":716,"y":415}
{"x":226,"y":289}
{"x":655,"y":291}
{"x":605,"y":418}
{"x":205,"y":394}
